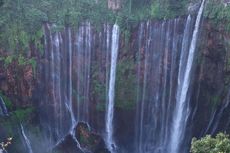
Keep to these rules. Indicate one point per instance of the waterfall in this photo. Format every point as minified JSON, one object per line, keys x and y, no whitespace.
{"x":87,"y":70}
{"x":70,"y":90}
{"x":27,"y":141}
{"x":56,"y":79}
{"x":2,"y":151}
{"x":162,"y":108}
{"x":110,"y":104}
{"x":217,"y":115}
{"x":53,"y":80}
{"x":138,"y":114}
{"x":182,"y":109}
{"x":157,"y":60}
{"x":82,"y":70}
{"x":182,"y":68}
{"x":3,"y":108}
{"x":83,"y":57}
{"x":67,"y":70}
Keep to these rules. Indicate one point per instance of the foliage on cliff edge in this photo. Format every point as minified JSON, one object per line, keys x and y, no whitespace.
{"x":219,"y":144}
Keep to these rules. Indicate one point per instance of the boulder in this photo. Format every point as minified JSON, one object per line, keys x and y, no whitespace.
{"x":67,"y":145}
{"x":89,"y":141}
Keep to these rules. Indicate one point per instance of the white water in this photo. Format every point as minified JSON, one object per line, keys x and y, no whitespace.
{"x":181,"y":111}
{"x":3,"y":108}
{"x":83,"y":44}
{"x":216,"y":116}
{"x":87,"y":70}
{"x":56,"y":79}
{"x":79,"y":43}
{"x":108,"y":45}
{"x":27,"y":141}
{"x":138,"y":131}
{"x":70,"y":91}
{"x":140,"y":147}
{"x":73,"y":120}
{"x":110,"y":105}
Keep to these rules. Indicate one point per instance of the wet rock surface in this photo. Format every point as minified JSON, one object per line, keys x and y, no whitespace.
{"x":211,"y":82}
{"x":89,"y":141}
{"x":17,"y":81}
{"x":68,"y":145}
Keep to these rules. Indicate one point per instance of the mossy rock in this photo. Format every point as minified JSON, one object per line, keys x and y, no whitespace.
{"x":90,"y":140}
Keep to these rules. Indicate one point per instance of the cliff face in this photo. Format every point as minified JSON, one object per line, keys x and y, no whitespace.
{"x":17,"y":80}
{"x":49,"y":90}
{"x":212,"y":86}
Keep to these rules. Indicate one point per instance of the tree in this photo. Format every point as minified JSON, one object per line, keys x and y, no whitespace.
{"x":219,"y":144}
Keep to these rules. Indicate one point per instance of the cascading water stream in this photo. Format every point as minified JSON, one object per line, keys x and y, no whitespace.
{"x":83,"y":44}
{"x":110,"y":105}
{"x":27,"y":141}
{"x":181,"y":110}
{"x":159,"y":51}
{"x":87,"y":70}
{"x":56,"y":79}
{"x":216,"y":116}
{"x":138,"y":116}
{"x":56,"y":69}
{"x":3,"y":151}
{"x":70,"y":91}
{"x":76,"y":58}
{"x":165,"y":55}
{"x":3,"y":108}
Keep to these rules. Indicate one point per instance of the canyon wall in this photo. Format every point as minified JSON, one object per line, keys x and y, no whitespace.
{"x":73,"y":74}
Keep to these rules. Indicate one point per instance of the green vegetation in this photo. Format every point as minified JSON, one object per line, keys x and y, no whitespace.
{"x":22,"y":115}
{"x":134,"y":11}
{"x":16,"y":114}
{"x":21,"y":21}
{"x":101,"y":107}
{"x":90,"y":141}
{"x":99,"y":91}
{"x":219,"y":144}
{"x":218,"y":13}
{"x":9,"y":124}
{"x":20,"y":59}
{"x":168,"y":9}
{"x":125,"y":85}
{"x":7,"y":60}
{"x":7,"y":101}
{"x":98,"y":88}
{"x":10,"y":127}
{"x":215,"y":100}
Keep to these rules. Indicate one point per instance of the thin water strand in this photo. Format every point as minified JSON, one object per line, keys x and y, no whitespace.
{"x":181,"y":112}
{"x":110,"y":106}
{"x":27,"y":141}
{"x":3,"y":107}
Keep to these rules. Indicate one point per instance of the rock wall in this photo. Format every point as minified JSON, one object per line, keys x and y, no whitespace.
{"x":212,"y":85}
{"x":17,"y":81}
{"x":210,"y":95}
